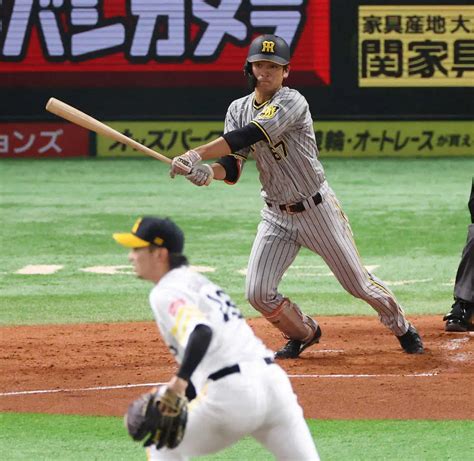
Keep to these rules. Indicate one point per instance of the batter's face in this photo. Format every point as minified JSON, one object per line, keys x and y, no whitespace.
{"x":149,"y":263}
{"x":269,"y":76}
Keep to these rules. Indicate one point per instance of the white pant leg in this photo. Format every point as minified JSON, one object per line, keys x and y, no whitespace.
{"x":285,"y":432}
{"x":259,"y":401}
{"x":228,"y":412}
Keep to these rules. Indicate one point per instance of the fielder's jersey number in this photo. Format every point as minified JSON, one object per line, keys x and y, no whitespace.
{"x":227,"y":307}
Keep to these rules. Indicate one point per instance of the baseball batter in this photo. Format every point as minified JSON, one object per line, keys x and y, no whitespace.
{"x":241,"y":391}
{"x":274,"y":124}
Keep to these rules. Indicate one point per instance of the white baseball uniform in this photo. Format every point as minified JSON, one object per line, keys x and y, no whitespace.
{"x":240,"y":390}
{"x":292,"y":179}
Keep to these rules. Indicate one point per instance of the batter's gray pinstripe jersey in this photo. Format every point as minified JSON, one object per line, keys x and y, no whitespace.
{"x":288,"y":158}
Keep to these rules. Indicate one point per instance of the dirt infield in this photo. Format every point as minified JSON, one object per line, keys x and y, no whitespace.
{"x":357,"y":371}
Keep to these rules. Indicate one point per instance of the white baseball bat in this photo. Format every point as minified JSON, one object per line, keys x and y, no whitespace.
{"x":63,"y":110}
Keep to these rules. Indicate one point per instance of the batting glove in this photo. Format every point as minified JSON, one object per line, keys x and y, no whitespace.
{"x":183,"y":164}
{"x":201,"y":175}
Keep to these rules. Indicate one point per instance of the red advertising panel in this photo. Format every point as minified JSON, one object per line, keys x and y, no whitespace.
{"x":43,"y":140}
{"x":157,"y":43}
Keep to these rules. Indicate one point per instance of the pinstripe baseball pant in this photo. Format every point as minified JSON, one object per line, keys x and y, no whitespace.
{"x":325,"y":230}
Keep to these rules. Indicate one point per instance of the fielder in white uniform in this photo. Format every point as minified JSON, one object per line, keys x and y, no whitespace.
{"x":274,"y":124}
{"x":240,"y":390}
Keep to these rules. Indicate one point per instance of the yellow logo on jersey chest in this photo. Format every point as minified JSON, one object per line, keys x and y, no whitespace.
{"x":268,"y":46}
{"x":268,"y":112}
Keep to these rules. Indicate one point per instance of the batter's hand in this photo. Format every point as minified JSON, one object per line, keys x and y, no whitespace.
{"x":183,"y":164}
{"x":201,"y":175}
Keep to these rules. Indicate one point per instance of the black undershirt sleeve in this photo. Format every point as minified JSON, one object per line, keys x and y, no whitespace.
{"x":243,"y":137}
{"x":198,"y":344}
{"x":231,"y":167}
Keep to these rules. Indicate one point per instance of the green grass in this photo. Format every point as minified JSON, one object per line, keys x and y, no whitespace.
{"x":409,"y":217}
{"x":68,"y":438}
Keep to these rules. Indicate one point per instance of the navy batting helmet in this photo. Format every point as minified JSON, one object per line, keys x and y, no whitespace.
{"x":269,"y":48}
{"x":266,"y":47}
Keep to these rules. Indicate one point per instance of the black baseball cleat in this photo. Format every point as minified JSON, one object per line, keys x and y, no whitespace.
{"x":293,"y":348}
{"x":411,"y":341}
{"x":455,"y":324}
{"x":459,"y":319}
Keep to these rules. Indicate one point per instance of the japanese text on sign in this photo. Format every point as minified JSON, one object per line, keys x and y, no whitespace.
{"x":395,"y":139}
{"x":168,"y":138}
{"x":154,"y":38}
{"x":43,"y":140}
{"x":335,"y":139}
{"x":416,"y":45}
{"x":158,"y":29}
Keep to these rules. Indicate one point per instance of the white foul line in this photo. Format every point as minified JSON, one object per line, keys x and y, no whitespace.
{"x":84,"y":389}
{"x":388,"y":375}
{"x":324,"y":351}
{"x":127,"y":386}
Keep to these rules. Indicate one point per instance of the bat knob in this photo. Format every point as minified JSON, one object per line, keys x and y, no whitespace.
{"x":50,"y":103}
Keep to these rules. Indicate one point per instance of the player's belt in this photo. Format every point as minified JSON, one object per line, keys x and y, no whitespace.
{"x":299,"y":206}
{"x":233,"y":369}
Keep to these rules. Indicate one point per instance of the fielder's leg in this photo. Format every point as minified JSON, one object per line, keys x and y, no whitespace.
{"x":273,"y":251}
{"x":462,"y":311}
{"x":218,"y":417}
{"x":284,"y":431}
